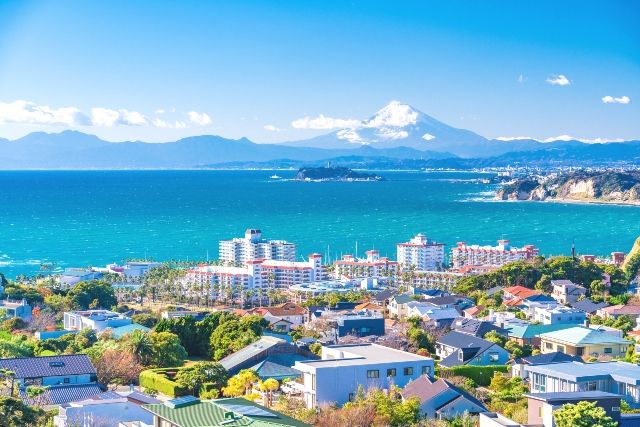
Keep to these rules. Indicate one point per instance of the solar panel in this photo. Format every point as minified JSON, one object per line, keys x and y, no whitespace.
{"x":248,"y":410}
{"x":181,"y":402}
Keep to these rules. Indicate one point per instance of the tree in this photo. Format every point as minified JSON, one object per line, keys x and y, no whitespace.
{"x":92,"y":294}
{"x":269,"y":386}
{"x":166,"y":350}
{"x":582,"y":414}
{"x":13,"y":324}
{"x":145,"y":319}
{"x":10,"y":349}
{"x":139,"y":345}
{"x":240,"y":384}
{"x":194,"y":376}
{"x":14,"y":413}
{"x":117,"y":368}
{"x":495,"y":338}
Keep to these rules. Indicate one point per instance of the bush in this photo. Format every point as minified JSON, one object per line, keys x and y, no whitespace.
{"x":481,"y":375}
{"x":158,"y":379}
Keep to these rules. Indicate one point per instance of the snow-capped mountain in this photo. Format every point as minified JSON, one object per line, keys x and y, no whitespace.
{"x":400,"y":125}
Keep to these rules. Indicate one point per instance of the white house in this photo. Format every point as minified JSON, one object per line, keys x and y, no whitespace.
{"x":567,"y":292}
{"x":551,"y":314}
{"x":343,"y":368}
{"x":97,"y":320}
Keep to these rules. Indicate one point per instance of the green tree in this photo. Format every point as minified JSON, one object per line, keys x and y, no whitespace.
{"x":139,"y":344}
{"x":268,"y":386}
{"x":495,"y":338}
{"x":582,"y":414}
{"x":14,"y":413}
{"x":145,"y":319}
{"x":193,"y":377}
{"x":166,"y":350}
{"x":241,"y":383}
{"x":92,"y":294}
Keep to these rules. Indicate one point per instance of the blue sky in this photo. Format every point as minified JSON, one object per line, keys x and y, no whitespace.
{"x":158,"y":71}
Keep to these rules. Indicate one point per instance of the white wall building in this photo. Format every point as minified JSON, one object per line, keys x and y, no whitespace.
{"x":473,"y":255}
{"x":252,"y":247}
{"x":421,"y":252}
{"x":371,"y":266}
{"x":97,"y":320}
{"x":343,"y":368}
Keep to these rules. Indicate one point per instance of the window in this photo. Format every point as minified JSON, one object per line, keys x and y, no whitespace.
{"x":591,"y":386}
{"x":408,"y":371}
{"x":615,"y":409}
{"x":493,"y":356}
{"x":608,"y":350}
{"x":426,"y":370}
{"x":373,"y":373}
{"x":560,"y":348}
{"x":350,"y":397}
{"x":391,"y":372}
{"x":548,"y":345}
{"x":67,"y":380}
{"x":313,"y":382}
{"x":539,"y":382}
{"x":579,"y":351}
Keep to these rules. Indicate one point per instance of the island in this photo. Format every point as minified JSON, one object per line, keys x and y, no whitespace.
{"x":606,"y":186}
{"x":336,"y":173}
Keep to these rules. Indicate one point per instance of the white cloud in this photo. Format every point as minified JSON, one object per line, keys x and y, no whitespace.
{"x":271,"y":128}
{"x":394,"y":114}
{"x":390,"y":134}
{"x":323,"y":122}
{"x":108,"y":118}
{"x":612,"y":100}
{"x":350,"y":135}
{"x":559,"y":80}
{"x":200,"y":119}
{"x":561,"y":138}
{"x":428,"y":137}
{"x":513,"y":138}
{"x":160,"y":111}
{"x":159,"y":123}
{"x":28,"y":112}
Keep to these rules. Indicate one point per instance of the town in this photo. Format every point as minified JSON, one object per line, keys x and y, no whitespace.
{"x":475,"y":335}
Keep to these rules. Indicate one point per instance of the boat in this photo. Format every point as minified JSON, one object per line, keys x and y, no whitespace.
{"x":275,"y":177}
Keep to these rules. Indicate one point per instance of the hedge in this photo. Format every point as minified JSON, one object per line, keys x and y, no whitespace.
{"x":156,"y":379}
{"x":480,"y":374}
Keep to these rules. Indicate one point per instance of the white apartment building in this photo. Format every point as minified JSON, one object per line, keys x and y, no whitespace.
{"x":257,"y":274}
{"x":252,"y":247}
{"x":474,"y":255}
{"x":343,"y":368}
{"x":371,"y":266}
{"x":421,"y":252}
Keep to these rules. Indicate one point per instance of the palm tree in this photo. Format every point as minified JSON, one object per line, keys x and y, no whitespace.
{"x":139,"y":345}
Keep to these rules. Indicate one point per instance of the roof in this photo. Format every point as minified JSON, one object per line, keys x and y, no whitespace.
{"x":573,"y":395}
{"x":470,"y":346}
{"x":449,"y":299}
{"x":239,"y":357}
{"x":369,"y":306}
{"x":589,"y":306}
{"x":269,"y":369}
{"x":546,"y":358}
{"x":425,"y":389}
{"x":619,"y":310}
{"x":365,"y":354}
{"x":384,"y":295}
{"x":49,"y":366}
{"x":478,"y":328}
{"x":121,"y":331}
{"x":285,"y":309}
{"x":520,"y":291}
{"x":528,"y":331}
{"x":575,"y":371}
{"x":403,"y":299}
{"x":211,"y":413}
{"x":60,"y":394}
{"x":473,"y":311}
{"x":580,"y":335}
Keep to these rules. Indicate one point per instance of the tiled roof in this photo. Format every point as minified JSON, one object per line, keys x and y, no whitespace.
{"x":589,"y":306}
{"x":529,"y":331}
{"x":268,"y":369}
{"x":476,"y":327}
{"x":211,"y":413}
{"x":285,"y":309}
{"x":544,"y":358}
{"x":520,"y":291}
{"x":618,"y":310}
{"x":252,"y":350}
{"x":49,"y":366}
{"x":369,"y":306}
{"x":60,"y":394}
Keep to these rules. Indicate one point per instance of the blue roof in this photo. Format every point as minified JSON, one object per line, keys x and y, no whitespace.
{"x":628,"y":373}
{"x":579,"y":335}
{"x":531,"y":331}
{"x":60,"y":394}
{"x":573,"y":395}
{"x":49,"y":366}
{"x":546,"y":358}
{"x":121,"y":331}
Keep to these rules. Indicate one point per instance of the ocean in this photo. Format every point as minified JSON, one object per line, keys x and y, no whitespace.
{"x":91,"y":218}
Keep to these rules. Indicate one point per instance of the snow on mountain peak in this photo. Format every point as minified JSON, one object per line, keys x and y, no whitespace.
{"x":394,"y":114}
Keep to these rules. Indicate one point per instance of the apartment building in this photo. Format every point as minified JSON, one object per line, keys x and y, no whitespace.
{"x":252,"y":247}
{"x":422,"y":253}
{"x":567,"y":292}
{"x":472,"y":255}
{"x":371,"y":266}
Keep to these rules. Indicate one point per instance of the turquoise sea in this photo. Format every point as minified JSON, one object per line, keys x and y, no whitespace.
{"x":84,"y":218}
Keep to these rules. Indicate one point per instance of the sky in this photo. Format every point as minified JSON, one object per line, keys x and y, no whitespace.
{"x":158,"y":71}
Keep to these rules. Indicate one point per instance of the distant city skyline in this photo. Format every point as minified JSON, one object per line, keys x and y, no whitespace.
{"x":282,"y":71}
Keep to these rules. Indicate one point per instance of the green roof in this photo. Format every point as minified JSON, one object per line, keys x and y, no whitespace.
{"x":580,"y":335}
{"x":533,"y":330}
{"x":211,"y":413}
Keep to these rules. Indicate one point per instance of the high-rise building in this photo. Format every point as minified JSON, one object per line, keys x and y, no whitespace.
{"x":421,"y":252}
{"x":372,"y":266}
{"x":475,"y":255}
{"x":252,"y":247}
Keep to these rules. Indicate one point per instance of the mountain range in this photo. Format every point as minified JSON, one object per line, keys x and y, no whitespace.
{"x":397,"y":134}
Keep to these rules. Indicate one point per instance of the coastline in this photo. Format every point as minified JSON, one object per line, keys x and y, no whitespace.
{"x":576,"y":201}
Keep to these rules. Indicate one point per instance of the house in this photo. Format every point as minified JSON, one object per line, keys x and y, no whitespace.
{"x":398,"y":305}
{"x":477,"y":328}
{"x":567,"y":292}
{"x":358,"y":324}
{"x":383,"y":298}
{"x":541,"y":407}
{"x":458,"y":302}
{"x":456,"y":349}
{"x":19,"y":308}
{"x":588,"y":306}
{"x":552,"y":314}
{"x":518,"y":293}
{"x":188,"y":411}
{"x":343,"y":368}
{"x":434,"y":315}
{"x":440,"y":399}
{"x":584,"y":342}
{"x":473,"y":312}
{"x":98,"y":320}
{"x":371,"y":306}
{"x":67,"y":377}
{"x":72,"y":276}
{"x":108,"y":409}
{"x":288,"y":311}
{"x":616,"y":311}
{"x":612,"y":377}
{"x":525,"y":333}
{"x":271,"y":357}
{"x":518,"y":365}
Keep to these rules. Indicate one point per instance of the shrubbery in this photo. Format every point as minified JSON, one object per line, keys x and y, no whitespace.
{"x":481,"y":375}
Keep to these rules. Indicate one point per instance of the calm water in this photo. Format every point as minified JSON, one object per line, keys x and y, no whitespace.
{"x":93,"y":218}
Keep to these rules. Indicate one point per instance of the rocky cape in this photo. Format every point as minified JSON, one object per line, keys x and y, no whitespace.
{"x":334,"y":174}
{"x":609,"y":186}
